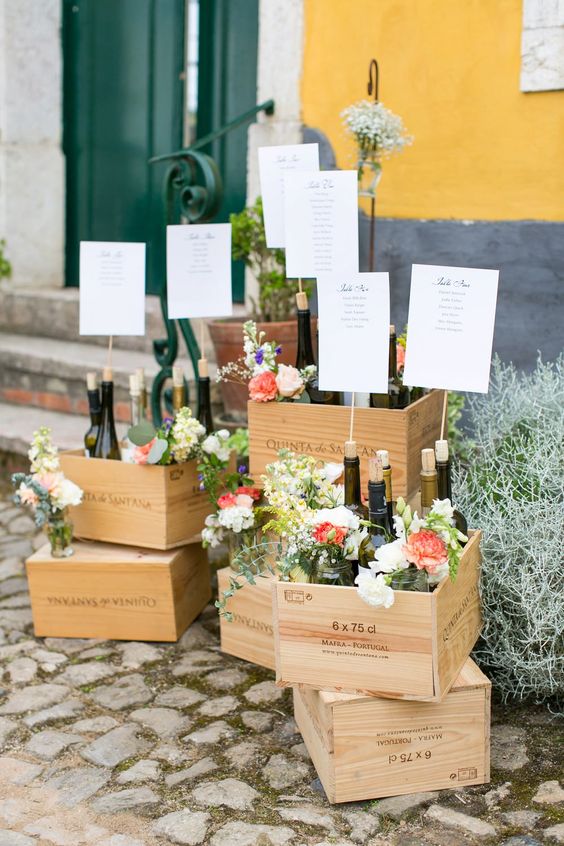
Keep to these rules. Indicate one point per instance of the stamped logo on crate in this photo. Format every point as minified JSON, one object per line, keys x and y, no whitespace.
{"x":328,"y":449}
{"x":105,"y":498}
{"x":251,"y":623}
{"x":102,"y":601}
{"x":465,"y":603}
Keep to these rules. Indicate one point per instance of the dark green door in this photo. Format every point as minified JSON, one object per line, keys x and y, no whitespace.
{"x":227,"y":82}
{"x":123,"y":103}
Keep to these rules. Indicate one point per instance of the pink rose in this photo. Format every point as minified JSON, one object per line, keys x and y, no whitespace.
{"x":49,"y":481}
{"x":400,"y":355}
{"x":27,"y":495}
{"x":141,"y":453}
{"x":288,"y":381}
{"x":228,"y":500}
{"x":426,"y":550}
{"x":262,"y":388}
{"x":254,"y":493}
{"x":244,"y":501}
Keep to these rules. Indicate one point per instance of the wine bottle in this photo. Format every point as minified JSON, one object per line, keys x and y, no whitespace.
{"x":429,"y":488}
{"x":135,"y":398}
{"x":444,"y":482}
{"x":415,"y":394}
{"x":305,"y":356}
{"x":95,"y":410}
{"x":107,"y":445}
{"x":178,"y":389}
{"x":140,"y":373}
{"x":204,"y":399}
{"x":353,"y":498}
{"x":398,"y":393}
{"x":380,"y":527}
{"x":384,"y":457}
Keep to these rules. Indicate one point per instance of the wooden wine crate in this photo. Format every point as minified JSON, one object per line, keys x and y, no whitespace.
{"x":151,"y":506}
{"x":367,"y":747}
{"x":328,"y":638}
{"x":249,"y":635}
{"x":321,"y":431}
{"x":118,"y":592}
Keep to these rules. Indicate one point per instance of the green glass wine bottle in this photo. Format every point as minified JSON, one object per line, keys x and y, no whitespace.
{"x":107,"y":445}
{"x":429,"y":487}
{"x":95,"y":409}
{"x":444,"y":483}
{"x":380,"y":528}
{"x":384,"y":457}
{"x":305,"y":356}
{"x":204,"y":396}
{"x":398,"y":393}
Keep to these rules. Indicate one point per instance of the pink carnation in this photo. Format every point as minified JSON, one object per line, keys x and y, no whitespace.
{"x":141,"y":453}
{"x":426,"y":550}
{"x":263,"y":388}
{"x":228,"y":500}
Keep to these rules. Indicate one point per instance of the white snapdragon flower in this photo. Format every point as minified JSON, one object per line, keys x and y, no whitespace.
{"x":374,"y":590}
{"x":443,"y":508}
{"x":186,"y":433}
{"x":390,"y":557}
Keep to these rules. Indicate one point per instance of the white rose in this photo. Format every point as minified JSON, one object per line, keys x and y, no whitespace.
{"x":288,"y":381}
{"x":339,"y":516}
{"x":66,"y":493}
{"x":374,"y":590}
{"x":331,"y":471}
{"x":443,"y":508}
{"x":211,"y":444}
{"x":389,"y":557}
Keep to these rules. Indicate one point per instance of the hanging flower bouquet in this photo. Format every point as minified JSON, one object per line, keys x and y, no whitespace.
{"x":266,"y":379}
{"x":48,"y":492}
{"x":378,"y":133}
{"x":425,"y":551}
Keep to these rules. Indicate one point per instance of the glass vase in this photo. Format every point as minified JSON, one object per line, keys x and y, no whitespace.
{"x":338,"y":573}
{"x":411,"y":579}
{"x":59,"y":532}
{"x":369,"y":175}
{"x":242,"y":549}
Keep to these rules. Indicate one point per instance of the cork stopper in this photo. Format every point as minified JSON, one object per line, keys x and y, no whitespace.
{"x":177,"y":376}
{"x":140,"y":373}
{"x":375,"y":470}
{"x":392,"y":329}
{"x":203,"y":368}
{"x":107,"y":375}
{"x":384,"y":457}
{"x":91,"y":382}
{"x":134,"y":386}
{"x":301,"y":301}
{"x":350,"y":449}
{"x":428,"y":461}
{"x":441,"y":451}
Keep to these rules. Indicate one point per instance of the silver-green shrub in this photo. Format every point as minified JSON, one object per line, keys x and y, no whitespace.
{"x":512,"y":487}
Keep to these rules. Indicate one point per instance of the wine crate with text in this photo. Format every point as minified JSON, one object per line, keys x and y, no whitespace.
{"x":328,"y":638}
{"x":249,"y":635}
{"x":367,"y":747}
{"x":118,"y":592}
{"x":153,"y":506}
{"x":321,"y":431}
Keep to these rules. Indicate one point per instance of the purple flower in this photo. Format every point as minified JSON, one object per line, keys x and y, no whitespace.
{"x":167,"y":423}
{"x":242,"y":468}
{"x":259,"y":356}
{"x":278,"y":350}
{"x":200,"y":476}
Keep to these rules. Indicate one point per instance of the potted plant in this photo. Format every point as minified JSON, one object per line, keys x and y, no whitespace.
{"x":273,"y":310}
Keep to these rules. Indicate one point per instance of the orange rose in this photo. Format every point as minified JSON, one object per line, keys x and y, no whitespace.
{"x":426,"y":550}
{"x":262,"y":388}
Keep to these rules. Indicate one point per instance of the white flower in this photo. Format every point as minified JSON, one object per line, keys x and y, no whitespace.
{"x":389,"y":557}
{"x":186,"y":433}
{"x":66,"y":493}
{"x":416,"y":524}
{"x":215,"y":445}
{"x":331,"y":471}
{"x":399,"y":527}
{"x":236,"y":518}
{"x":339,"y":516}
{"x":353,"y":542}
{"x":443,"y":508}
{"x":374,"y":590}
{"x":440,"y":573}
{"x":223,"y":434}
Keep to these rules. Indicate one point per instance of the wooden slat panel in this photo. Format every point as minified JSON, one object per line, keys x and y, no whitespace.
{"x":322,"y":758}
{"x":249,"y":636}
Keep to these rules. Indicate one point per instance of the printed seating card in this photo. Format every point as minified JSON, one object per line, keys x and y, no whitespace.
{"x":112,"y":288}
{"x":198,"y":263}
{"x":354,"y":332}
{"x":321,"y":223}
{"x":450,"y":327}
{"x":274,"y":163}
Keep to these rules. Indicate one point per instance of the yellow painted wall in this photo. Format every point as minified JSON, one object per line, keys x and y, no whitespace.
{"x":450,"y":68}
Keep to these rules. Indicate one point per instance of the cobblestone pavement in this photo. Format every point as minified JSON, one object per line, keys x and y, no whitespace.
{"x":135,"y":744}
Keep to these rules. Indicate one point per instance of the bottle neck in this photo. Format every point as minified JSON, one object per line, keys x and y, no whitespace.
{"x":107,"y":402}
{"x":135,"y":410}
{"x":204,"y":404}
{"x":377,"y":504}
{"x":388,"y":483}
{"x":352,"y":481}
{"x":94,"y":407}
{"x":305,"y":355}
{"x":178,"y":398}
{"x":443,"y":480}
{"x":393,"y":359}
{"x":429,"y":491}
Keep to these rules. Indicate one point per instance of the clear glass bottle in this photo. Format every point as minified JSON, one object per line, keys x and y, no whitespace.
{"x":95,"y":409}
{"x":107,"y":445}
{"x":305,"y":356}
{"x":338,"y":573}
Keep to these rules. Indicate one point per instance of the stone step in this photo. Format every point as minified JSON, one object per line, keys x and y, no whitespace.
{"x":50,"y":374}
{"x":18,"y":423}
{"x":53,"y":313}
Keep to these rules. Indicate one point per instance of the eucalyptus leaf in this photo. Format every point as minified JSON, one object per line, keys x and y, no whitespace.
{"x":303,"y":398}
{"x":157,"y":451}
{"x":142,"y":433}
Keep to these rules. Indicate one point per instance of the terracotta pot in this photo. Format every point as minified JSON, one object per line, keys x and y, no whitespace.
{"x":227,"y":338}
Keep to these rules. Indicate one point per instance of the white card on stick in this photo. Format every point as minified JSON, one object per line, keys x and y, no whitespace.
{"x":354,"y":332}
{"x":274,"y":164}
{"x":321,"y":223}
{"x":112,"y":288}
{"x":450,"y":327}
{"x":198,"y":264}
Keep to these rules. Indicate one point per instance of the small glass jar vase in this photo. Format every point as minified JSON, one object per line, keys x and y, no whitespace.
{"x":59,"y":532}
{"x":411,"y":579}
{"x":242,"y":548}
{"x":338,"y":573}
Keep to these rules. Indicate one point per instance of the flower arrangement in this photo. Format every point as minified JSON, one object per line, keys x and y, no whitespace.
{"x":48,"y":492}
{"x":378,"y":133}
{"x":424,"y":552}
{"x":267,"y":380}
{"x":177,"y":440}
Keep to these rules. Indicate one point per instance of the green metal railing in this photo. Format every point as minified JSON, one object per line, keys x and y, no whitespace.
{"x":193,"y":190}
